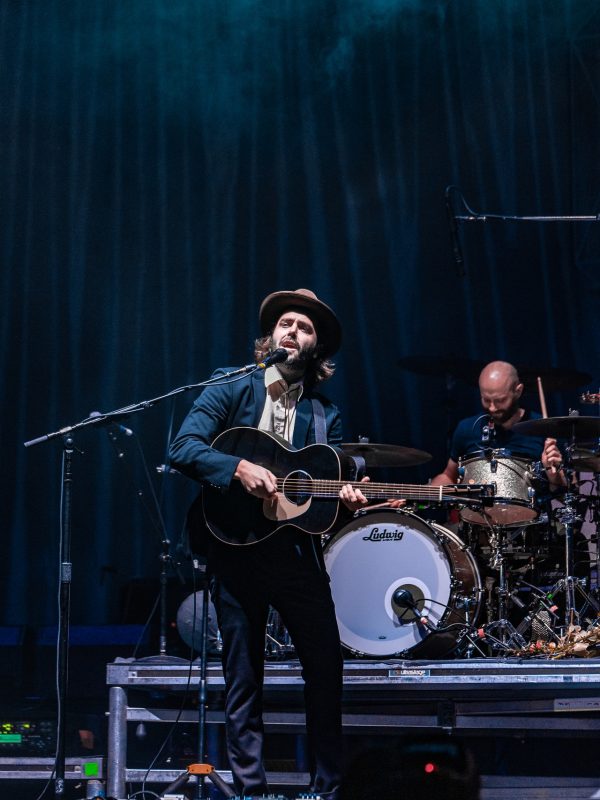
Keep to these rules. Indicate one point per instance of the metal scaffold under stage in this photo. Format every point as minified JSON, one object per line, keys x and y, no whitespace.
{"x":491,"y":697}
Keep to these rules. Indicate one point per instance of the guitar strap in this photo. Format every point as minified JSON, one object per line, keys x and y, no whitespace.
{"x":320,"y":424}
{"x":321,"y":437}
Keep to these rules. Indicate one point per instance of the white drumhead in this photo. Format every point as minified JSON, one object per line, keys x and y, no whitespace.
{"x":378,"y":553}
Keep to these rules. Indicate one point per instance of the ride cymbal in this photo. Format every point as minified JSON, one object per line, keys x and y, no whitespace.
{"x":581,"y":429}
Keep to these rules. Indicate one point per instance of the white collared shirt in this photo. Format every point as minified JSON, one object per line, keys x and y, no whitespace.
{"x":279,"y":413}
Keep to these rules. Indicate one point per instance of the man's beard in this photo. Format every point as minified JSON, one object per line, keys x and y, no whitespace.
{"x":297,"y":363}
{"x":505,"y":415}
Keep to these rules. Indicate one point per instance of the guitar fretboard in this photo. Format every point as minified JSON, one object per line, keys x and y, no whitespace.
{"x":374,"y":490}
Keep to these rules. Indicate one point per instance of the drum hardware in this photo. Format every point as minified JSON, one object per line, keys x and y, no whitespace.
{"x":569,"y":584}
{"x":576,"y":430}
{"x":278,"y":643}
{"x":472,"y":648}
{"x":586,"y":459}
{"x":540,"y":615}
{"x":507,"y":637}
{"x":499,"y":632}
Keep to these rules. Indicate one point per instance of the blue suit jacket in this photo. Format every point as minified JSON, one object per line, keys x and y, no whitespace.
{"x":230,"y":405}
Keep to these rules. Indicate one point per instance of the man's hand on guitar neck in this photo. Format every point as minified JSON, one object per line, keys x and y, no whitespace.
{"x":354,"y":499}
{"x":256,"y":480}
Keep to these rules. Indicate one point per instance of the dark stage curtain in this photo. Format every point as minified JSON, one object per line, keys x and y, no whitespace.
{"x":167,"y":163}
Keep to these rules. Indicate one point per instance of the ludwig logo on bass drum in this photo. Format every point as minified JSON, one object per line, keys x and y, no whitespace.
{"x":384,"y":535}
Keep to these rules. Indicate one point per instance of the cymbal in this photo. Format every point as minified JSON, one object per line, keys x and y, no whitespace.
{"x":468,"y":370}
{"x":586,"y":460}
{"x":579,"y":428}
{"x":386,"y":455}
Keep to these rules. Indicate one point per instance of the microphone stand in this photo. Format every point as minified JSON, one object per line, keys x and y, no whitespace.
{"x":202,"y":769}
{"x":64,"y":613}
{"x":475,"y":216}
{"x":65,"y":566}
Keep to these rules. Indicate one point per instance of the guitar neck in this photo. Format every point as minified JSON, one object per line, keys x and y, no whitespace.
{"x":372,"y":490}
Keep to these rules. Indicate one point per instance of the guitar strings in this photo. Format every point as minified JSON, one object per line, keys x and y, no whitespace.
{"x":330,"y":488}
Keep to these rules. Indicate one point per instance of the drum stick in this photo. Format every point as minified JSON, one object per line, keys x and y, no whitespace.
{"x":544,"y":410}
{"x":542,"y":398}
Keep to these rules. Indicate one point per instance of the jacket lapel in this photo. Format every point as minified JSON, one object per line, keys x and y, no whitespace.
{"x":260,"y":395}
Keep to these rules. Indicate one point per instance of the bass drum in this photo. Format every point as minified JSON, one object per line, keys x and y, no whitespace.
{"x":389,"y":569}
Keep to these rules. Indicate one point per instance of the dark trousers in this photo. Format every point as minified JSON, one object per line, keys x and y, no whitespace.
{"x":286,"y":572}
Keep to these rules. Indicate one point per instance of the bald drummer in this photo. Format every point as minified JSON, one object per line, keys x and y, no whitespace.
{"x":500,"y":389}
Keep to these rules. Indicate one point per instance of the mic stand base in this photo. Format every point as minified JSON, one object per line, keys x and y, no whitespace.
{"x":162,"y":660}
{"x":198,"y":772}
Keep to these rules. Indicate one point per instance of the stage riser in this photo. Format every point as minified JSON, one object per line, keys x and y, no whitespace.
{"x":487,"y":702}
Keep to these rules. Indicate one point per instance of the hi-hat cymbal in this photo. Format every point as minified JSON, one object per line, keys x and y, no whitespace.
{"x":582,"y":429}
{"x":386,"y":455}
{"x":468,"y":370}
{"x":586,"y":460}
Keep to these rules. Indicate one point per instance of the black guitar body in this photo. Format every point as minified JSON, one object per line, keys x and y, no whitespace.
{"x":238,"y":518}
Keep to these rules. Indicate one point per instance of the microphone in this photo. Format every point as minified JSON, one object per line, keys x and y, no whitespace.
{"x":404,"y":599}
{"x":111,"y":423}
{"x":454,"y":238}
{"x":276,"y":357}
{"x":488,"y":432}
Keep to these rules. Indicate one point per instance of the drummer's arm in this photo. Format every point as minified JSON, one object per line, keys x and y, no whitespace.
{"x":449,"y":475}
{"x":551,"y":461}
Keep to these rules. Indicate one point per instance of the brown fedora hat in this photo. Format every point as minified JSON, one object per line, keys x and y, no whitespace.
{"x":329,"y":330}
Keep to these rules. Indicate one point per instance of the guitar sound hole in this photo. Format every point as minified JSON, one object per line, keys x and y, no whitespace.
{"x":297,"y":487}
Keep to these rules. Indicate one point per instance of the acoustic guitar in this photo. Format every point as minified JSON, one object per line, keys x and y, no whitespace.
{"x":308,"y":485}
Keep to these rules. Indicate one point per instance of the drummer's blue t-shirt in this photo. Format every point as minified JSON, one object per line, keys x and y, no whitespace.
{"x":467,"y":439}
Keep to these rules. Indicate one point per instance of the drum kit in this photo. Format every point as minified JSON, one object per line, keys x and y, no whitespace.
{"x":469,"y":579}
{"x":511,"y":573}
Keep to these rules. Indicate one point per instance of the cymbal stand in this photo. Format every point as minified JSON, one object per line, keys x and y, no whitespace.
{"x":595,"y":518}
{"x":505,"y":633}
{"x":472,"y":649}
{"x":570,"y":585}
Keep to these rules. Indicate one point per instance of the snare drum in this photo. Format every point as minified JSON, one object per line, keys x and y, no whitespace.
{"x":512,"y":478}
{"x":383,"y":555}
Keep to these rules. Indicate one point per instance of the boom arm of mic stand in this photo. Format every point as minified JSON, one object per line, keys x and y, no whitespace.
{"x":473,"y":217}
{"x":126,"y":411}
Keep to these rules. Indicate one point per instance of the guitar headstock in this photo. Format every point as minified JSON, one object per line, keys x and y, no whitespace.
{"x":591,"y":398}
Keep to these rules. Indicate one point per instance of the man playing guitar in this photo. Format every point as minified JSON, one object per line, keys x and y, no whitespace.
{"x":285,"y":570}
